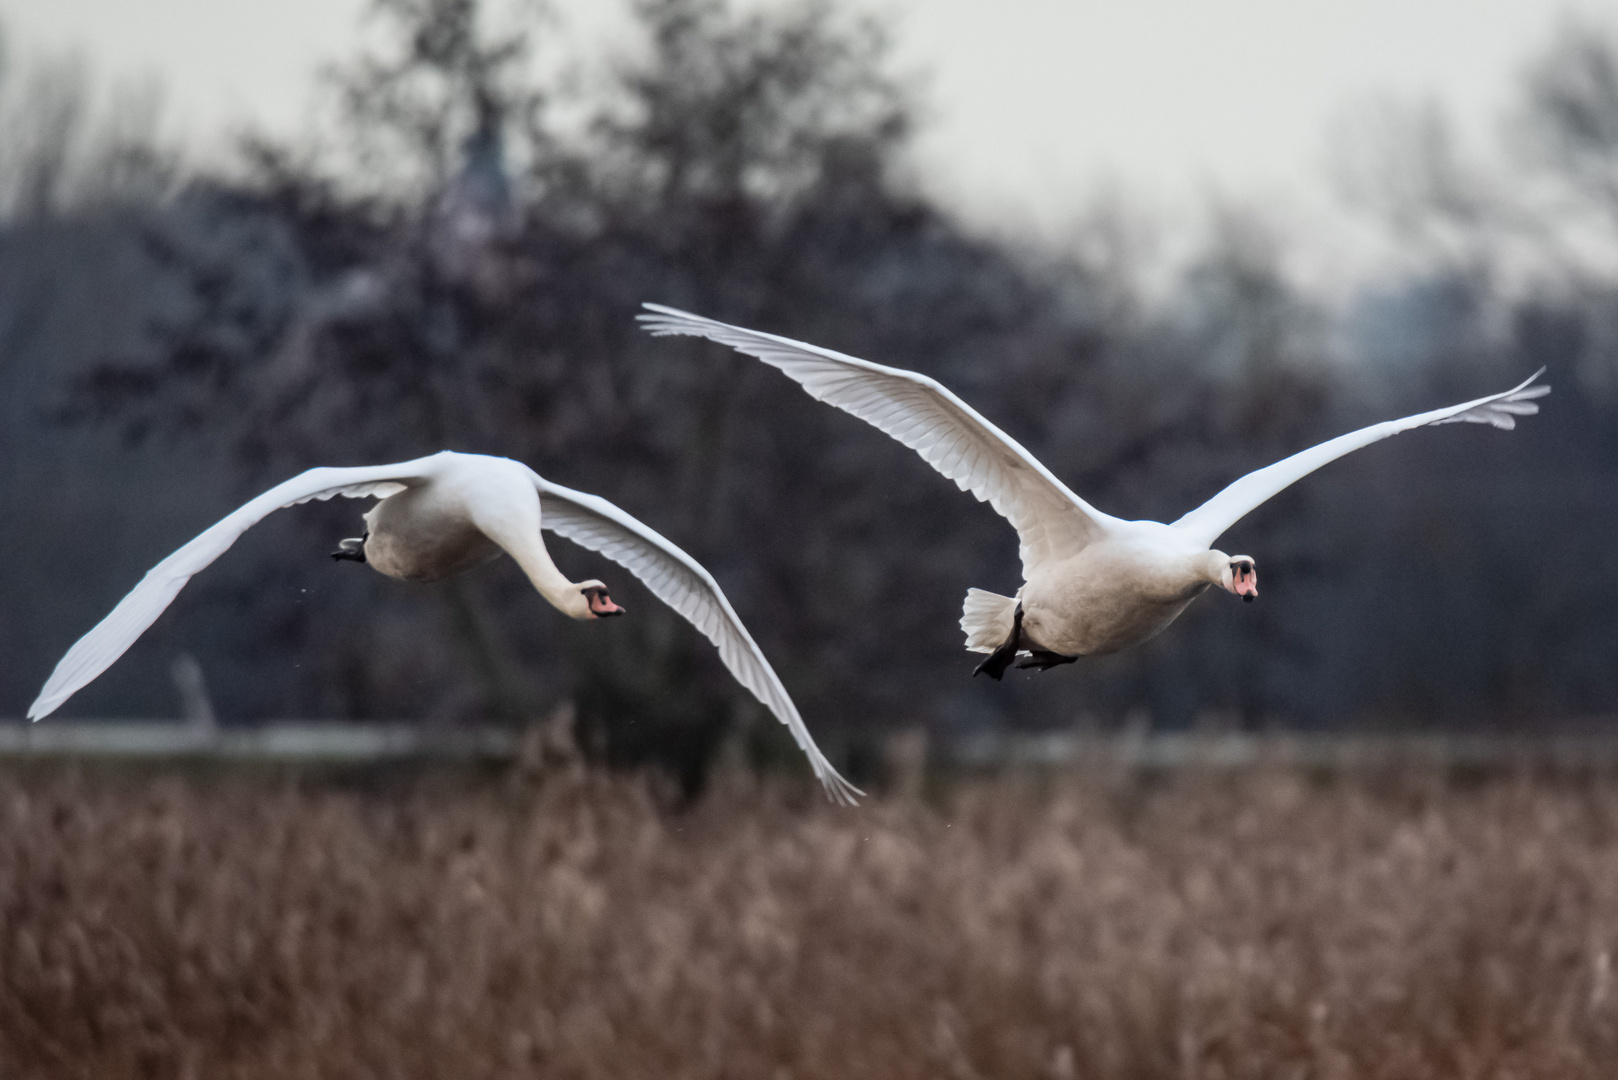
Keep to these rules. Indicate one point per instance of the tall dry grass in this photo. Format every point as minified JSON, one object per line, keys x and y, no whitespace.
{"x":1262,"y":925}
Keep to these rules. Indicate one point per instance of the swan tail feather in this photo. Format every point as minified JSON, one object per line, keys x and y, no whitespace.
{"x":987,"y":619}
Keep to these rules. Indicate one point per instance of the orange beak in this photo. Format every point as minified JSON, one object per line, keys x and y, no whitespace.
{"x":601,"y":605}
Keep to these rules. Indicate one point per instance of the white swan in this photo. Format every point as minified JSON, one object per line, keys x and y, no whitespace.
{"x":1093,"y":583}
{"x":441,"y":515}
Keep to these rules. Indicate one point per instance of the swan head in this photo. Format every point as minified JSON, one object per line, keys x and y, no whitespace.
{"x":1238,"y":575}
{"x":597,"y":604}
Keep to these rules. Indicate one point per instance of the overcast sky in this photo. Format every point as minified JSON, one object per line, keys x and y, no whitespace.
{"x":1033,"y":101}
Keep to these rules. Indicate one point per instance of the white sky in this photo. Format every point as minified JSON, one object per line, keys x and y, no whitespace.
{"x":1034,"y":102}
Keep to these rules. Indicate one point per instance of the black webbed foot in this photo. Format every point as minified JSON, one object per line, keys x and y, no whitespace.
{"x":994,"y":665}
{"x":352,"y":549}
{"x":1040,"y":659}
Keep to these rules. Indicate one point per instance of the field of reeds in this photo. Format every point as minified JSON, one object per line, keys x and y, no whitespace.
{"x":1253,"y":924}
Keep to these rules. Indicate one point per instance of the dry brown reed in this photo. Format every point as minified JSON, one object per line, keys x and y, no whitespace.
{"x":1255,"y":925}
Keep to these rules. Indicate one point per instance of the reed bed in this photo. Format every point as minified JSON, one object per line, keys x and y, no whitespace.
{"x":1257,"y":924}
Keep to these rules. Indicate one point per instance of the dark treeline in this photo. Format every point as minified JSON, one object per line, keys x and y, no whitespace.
{"x":463,"y":273}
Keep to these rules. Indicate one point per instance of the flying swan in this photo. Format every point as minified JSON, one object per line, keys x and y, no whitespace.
{"x":1092,"y":583}
{"x":447,"y":513}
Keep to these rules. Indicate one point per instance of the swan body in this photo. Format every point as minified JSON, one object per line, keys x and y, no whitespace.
{"x":442,"y":515}
{"x":1092,"y":583}
{"x":426,"y":533}
{"x":1117,"y":592}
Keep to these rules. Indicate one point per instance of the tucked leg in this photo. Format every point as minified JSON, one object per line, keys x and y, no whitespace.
{"x":994,"y":665}
{"x":1040,"y":659}
{"x":352,"y":549}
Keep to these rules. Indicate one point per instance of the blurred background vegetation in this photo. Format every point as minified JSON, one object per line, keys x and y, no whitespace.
{"x":455,"y":262}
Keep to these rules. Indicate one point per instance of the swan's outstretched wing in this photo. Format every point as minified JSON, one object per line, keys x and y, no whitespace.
{"x":95,"y":652}
{"x":1219,"y":513}
{"x":920,"y":412}
{"x":680,"y":582}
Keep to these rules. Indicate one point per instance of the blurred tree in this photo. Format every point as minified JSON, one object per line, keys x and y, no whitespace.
{"x":447,"y":94}
{"x":1572,"y":121}
{"x":757,"y":110}
{"x":1572,"y":102}
{"x":1524,"y":274}
{"x":65,"y":148}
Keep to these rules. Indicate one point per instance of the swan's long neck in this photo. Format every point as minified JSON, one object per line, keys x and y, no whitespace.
{"x":553,"y":585}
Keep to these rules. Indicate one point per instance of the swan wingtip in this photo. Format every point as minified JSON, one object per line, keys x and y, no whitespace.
{"x":838,"y":790}
{"x":844,"y":795}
